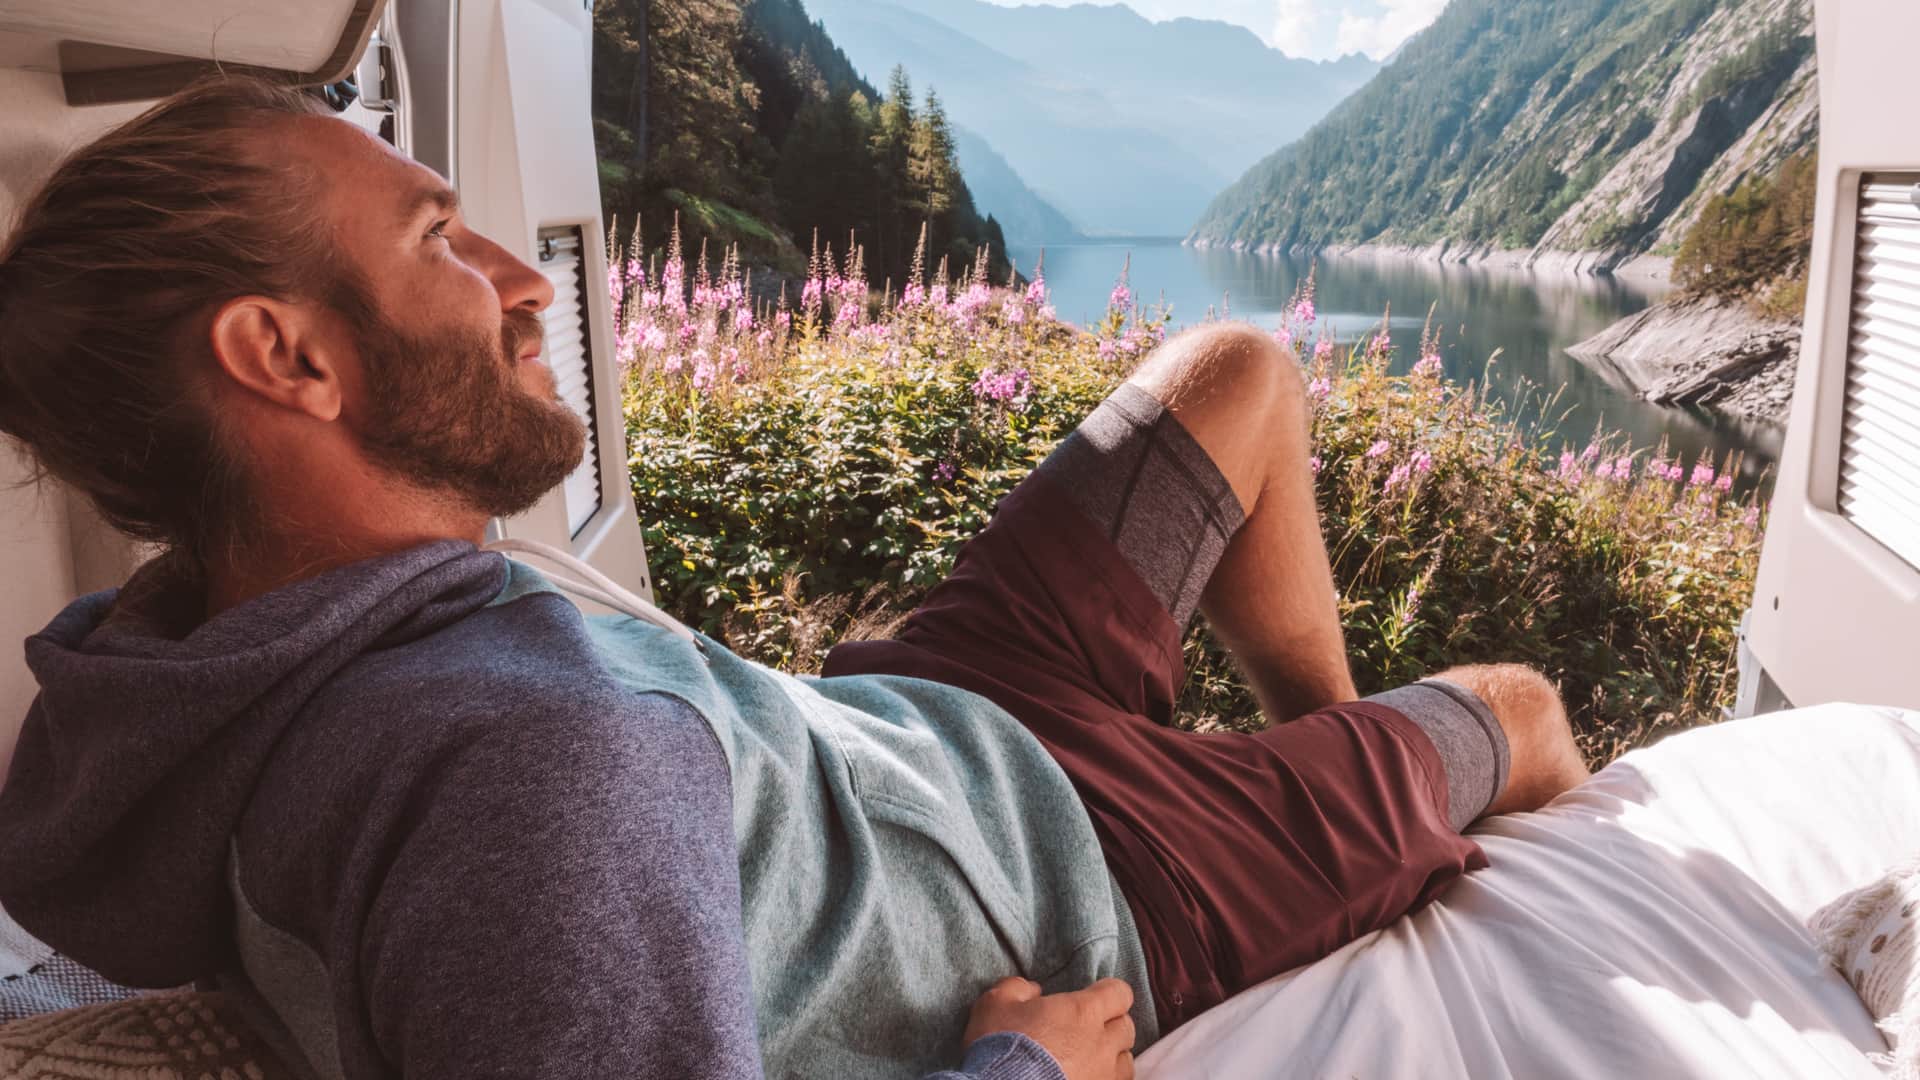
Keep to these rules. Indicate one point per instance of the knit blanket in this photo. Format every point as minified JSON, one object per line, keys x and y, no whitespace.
{"x":177,"y":1035}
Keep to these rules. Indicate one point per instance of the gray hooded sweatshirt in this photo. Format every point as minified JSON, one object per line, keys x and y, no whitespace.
{"x":435,"y":822}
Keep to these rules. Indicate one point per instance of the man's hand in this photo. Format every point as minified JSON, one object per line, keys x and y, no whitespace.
{"x":1087,"y":1031}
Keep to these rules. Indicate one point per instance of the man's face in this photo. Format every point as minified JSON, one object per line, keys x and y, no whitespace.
{"x":453,"y":394}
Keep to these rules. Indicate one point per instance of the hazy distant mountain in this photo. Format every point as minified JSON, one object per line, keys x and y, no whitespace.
{"x":1023,"y":216}
{"x":1127,"y":125}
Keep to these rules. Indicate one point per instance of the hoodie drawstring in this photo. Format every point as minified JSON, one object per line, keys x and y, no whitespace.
{"x":608,"y":591}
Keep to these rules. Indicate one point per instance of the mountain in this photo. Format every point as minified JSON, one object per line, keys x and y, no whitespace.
{"x":1580,"y":132}
{"x":998,"y":190}
{"x":742,"y":122}
{"x":1128,"y":125}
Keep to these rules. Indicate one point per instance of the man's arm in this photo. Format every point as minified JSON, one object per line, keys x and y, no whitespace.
{"x":565,"y":902}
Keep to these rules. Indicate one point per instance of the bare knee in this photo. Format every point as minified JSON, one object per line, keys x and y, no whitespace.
{"x":1232,"y":362}
{"x":1545,"y":760}
{"x":1238,"y":392}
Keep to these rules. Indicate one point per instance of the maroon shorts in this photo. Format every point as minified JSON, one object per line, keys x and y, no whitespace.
{"x":1240,"y":856}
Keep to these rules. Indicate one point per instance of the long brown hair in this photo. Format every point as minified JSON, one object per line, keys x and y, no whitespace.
{"x":108,"y":283}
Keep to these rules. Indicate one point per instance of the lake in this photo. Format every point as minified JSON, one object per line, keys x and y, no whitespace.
{"x":1528,"y":319}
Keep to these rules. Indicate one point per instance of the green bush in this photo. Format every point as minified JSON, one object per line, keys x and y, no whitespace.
{"x":1757,"y":238}
{"x":823,"y":486}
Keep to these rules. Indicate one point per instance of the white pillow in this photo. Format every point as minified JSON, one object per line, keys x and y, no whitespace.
{"x":19,"y":952}
{"x":1873,"y":936}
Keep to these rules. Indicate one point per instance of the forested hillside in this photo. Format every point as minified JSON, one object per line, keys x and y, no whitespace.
{"x":749,"y":124}
{"x":1553,"y":125}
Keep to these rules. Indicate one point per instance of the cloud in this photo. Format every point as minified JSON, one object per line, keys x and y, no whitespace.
{"x":1323,"y":29}
{"x":1381,"y":33}
{"x":1313,"y":29}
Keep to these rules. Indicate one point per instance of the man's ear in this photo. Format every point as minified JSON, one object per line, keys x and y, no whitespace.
{"x":279,"y":351}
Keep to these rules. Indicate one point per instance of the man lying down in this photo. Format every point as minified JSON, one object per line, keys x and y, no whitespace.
{"x":327,"y":748}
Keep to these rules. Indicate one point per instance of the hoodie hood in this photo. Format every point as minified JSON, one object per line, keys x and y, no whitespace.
{"x":144,"y":745}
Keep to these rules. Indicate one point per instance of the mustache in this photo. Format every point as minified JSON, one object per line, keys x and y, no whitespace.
{"x":520,"y":332}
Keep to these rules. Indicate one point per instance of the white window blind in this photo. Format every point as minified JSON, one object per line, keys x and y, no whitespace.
{"x":569,"y":355}
{"x":1880,"y":437}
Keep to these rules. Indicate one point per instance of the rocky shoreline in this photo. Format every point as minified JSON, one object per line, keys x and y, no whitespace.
{"x":1699,"y":350}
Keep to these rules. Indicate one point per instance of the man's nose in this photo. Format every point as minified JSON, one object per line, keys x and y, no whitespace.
{"x":520,"y":286}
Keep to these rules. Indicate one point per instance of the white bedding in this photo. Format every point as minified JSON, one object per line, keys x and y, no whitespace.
{"x":1650,"y":924}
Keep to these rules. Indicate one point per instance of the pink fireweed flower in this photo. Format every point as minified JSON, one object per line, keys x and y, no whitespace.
{"x":688,"y":332}
{"x":1623,"y":469}
{"x":912,"y":295}
{"x":937,"y":296}
{"x":1702,"y":476}
{"x":1412,"y":608}
{"x":782,"y":319}
{"x":1047,"y":314}
{"x":1121,"y":299}
{"x":1379,"y":448}
{"x":1283,"y":337}
{"x":1037,"y":290}
{"x":1589,"y":454}
{"x":1422,"y":462}
{"x":944,"y":472}
{"x":1004,"y":387}
{"x":742,"y":320}
{"x":615,"y":288}
{"x":1604,"y":470}
{"x":1725,"y":483}
{"x":1400,"y":475}
{"x":703,"y":374}
{"x":1429,"y":366}
{"x":1013,"y":311}
{"x":1570,"y":470}
{"x":649,"y":300}
{"x":1751,"y":517}
{"x":636,"y":274}
{"x":672,"y":364}
{"x":653,"y":338}
{"x":849,"y":314}
{"x":1108,"y":347}
{"x":1303,"y":312}
{"x":1674,"y":472}
{"x":810,"y":293}
{"x":1320,"y":389}
{"x":1322,"y":349}
{"x":1314,"y":464}
{"x":973,"y":301}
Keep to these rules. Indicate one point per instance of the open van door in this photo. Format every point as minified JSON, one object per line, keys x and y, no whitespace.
{"x":1836,"y":610}
{"x":494,"y":94}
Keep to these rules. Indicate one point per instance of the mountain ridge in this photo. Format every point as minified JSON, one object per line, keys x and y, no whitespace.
{"x":1553,"y":133}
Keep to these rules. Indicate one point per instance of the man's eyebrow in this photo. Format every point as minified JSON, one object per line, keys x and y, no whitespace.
{"x":441,"y":198}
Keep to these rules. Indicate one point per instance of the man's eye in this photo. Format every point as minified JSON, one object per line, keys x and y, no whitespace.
{"x":439,"y":228}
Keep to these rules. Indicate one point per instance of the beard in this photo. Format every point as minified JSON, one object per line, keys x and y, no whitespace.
{"x":447,"y":412}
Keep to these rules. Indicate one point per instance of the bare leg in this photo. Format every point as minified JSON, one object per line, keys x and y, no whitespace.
{"x":1545,"y":760}
{"x":1271,"y":599}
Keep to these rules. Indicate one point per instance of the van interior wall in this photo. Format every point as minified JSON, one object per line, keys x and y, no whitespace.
{"x":52,"y":546}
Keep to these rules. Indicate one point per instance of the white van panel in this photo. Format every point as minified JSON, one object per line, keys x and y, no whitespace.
{"x":293,"y":36}
{"x":1836,"y":609}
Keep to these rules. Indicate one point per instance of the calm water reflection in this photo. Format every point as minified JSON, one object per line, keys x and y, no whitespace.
{"x":1528,"y":319}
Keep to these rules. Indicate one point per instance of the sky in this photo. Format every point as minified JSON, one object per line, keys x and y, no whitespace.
{"x":1313,"y":29}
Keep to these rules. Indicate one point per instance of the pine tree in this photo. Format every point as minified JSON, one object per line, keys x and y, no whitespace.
{"x":931,"y":170}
